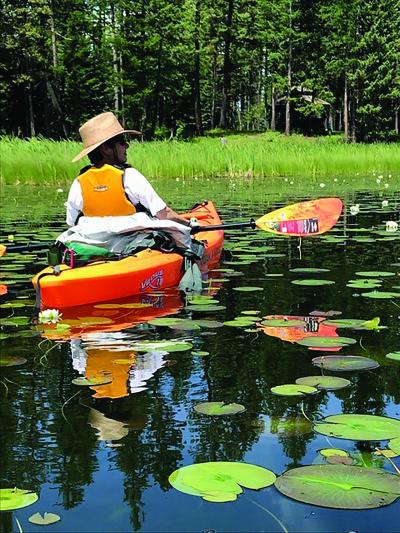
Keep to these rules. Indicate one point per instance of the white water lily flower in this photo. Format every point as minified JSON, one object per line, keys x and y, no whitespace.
{"x":355,"y":209}
{"x":385,"y":203}
{"x":391,"y":225}
{"x":49,"y":316}
{"x":322,"y":185}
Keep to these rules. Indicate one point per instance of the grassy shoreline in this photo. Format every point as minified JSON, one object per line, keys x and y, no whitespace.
{"x":264,"y":156}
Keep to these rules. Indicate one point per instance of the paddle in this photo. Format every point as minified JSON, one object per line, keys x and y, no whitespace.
{"x":302,"y":220}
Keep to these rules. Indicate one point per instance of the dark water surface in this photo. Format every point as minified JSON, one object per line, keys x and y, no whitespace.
{"x":101,"y":458}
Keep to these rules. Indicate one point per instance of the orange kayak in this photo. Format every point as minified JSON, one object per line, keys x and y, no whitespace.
{"x":147,"y":271}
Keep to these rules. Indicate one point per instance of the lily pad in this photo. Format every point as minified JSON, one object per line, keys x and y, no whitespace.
{"x":200,"y":353}
{"x":220,"y":481}
{"x":165,"y":321}
{"x":11,"y":499}
{"x":340,"y":486}
{"x":205,"y":308}
{"x":359,"y":427}
{"x":326,"y":342}
{"x":45,"y":520}
{"x":313,"y":282}
{"x":324,"y":382}
{"x":381,"y":295}
{"x":167,"y":346}
{"x":375,"y":274}
{"x":395,"y":356}
{"x":342,"y":363}
{"x":282,"y":323}
{"x":12,"y":360}
{"x":353,"y":323}
{"x":219,"y":408}
{"x":94,"y":381}
{"x":364,"y":283}
{"x":309,"y":270}
{"x":247,"y":289}
{"x":293,"y":390}
{"x":394,"y":445}
{"x":328,"y":452}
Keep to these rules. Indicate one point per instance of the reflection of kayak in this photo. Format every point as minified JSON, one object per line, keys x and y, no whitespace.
{"x":144,"y":272}
{"x":113,"y":316}
{"x":311,"y":326}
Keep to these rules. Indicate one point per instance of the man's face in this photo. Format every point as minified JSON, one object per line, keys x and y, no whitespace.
{"x":121,"y":146}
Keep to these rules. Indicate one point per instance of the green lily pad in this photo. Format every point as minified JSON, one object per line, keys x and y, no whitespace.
{"x":247,"y":289}
{"x":205,"y":308}
{"x":341,"y":363}
{"x":204,"y":323}
{"x":12,"y":360}
{"x":312,"y":282}
{"x":220,"y":481}
{"x":328,"y":452}
{"x":340,"y":486}
{"x":293,"y":390}
{"x":395,"y":356}
{"x":200,"y":353}
{"x":166,"y":346}
{"x":219,"y":408}
{"x":11,"y":499}
{"x":381,"y":294}
{"x":94,"y":381}
{"x":309,"y":270}
{"x":353,"y":323}
{"x":359,"y":427}
{"x":45,"y":520}
{"x":282,"y":323}
{"x":239,"y":322}
{"x":394,"y":445}
{"x":326,"y":342}
{"x":324,"y":382}
{"x":364,"y":283}
{"x":375,"y":274}
{"x":165,"y":321}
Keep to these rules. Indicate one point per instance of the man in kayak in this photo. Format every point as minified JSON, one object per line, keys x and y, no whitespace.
{"x":109,"y":186}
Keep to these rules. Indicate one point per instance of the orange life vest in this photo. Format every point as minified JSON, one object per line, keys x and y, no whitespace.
{"x":103,"y":193}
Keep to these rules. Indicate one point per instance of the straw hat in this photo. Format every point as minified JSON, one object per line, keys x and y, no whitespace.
{"x":98,"y":130}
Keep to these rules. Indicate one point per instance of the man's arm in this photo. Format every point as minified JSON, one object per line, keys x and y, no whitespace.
{"x":169,"y":214}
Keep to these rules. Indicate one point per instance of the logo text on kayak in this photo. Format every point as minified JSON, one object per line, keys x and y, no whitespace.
{"x":155,"y":281}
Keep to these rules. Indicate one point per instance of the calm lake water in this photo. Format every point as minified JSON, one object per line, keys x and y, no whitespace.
{"x":101,"y":458}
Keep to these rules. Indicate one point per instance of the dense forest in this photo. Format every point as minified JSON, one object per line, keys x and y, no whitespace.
{"x":174,"y":68}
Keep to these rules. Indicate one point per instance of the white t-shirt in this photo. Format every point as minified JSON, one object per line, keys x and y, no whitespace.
{"x":137,"y":188}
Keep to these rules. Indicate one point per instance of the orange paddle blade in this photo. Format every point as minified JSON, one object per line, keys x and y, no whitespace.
{"x":303,"y":219}
{"x":2,"y":250}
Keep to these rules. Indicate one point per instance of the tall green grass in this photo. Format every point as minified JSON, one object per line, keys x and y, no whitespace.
{"x":239,"y":157}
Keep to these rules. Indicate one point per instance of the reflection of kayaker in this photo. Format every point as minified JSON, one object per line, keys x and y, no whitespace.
{"x":310,"y":326}
{"x":128,"y":370}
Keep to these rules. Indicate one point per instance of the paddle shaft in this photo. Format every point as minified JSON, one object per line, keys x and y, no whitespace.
{"x":234,"y":225}
{"x":27,"y":247}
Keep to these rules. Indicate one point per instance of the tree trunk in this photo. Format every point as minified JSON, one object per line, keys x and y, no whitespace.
{"x":197,"y":101}
{"x":115,"y":60}
{"x":214,"y":78}
{"x":224,"y":117}
{"x":346,"y":111}
{"x":289,"y":76}
{"x":273,"y":109}
{"x":396,"y":120}
{"x":31,"y":117}
{"x":53,"y":38}
{"x":157,"y":89}
{"x":57,"y":107}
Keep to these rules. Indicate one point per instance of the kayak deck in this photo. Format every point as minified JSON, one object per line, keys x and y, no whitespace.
{"x":146,"y":271}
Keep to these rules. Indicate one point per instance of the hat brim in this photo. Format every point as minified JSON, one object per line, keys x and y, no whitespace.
{"x":92,"y":147}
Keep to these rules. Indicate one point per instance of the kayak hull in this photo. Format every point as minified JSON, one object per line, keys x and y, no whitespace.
{"x":144,"y":272}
